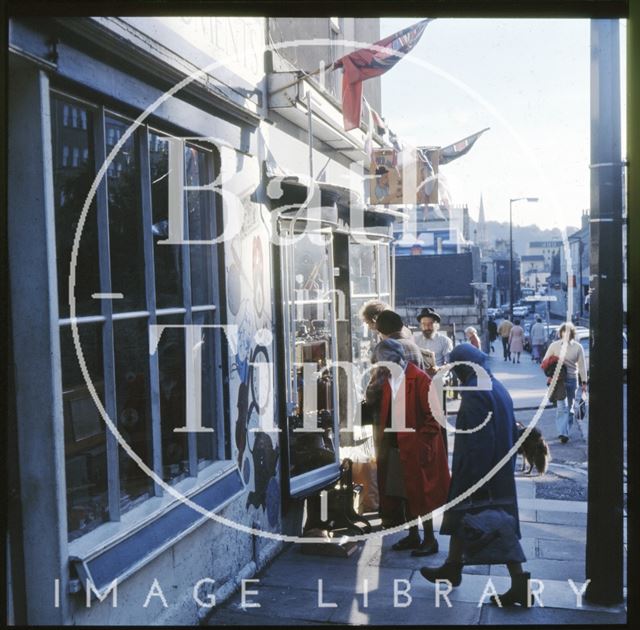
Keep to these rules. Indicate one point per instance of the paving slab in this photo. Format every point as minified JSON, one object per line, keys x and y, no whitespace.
{"x":284,"y":602}
{"x":546,"y":569}
{"x":470,"y":590}
{"x":526,"y":488}
{"x":419,"y":612}
{"x":561,"y":518}
{"x":553,"y":505}
{"x":551,"y":549}
{"x":492,"y":615}
{"x":552,"y":531}
{"x":227,"y":617}
{"x":346,"y":579}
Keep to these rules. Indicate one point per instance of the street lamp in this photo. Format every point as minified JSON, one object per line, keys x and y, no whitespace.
{"x":531,"y":200}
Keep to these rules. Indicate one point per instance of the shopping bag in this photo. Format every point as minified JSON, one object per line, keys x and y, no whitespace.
{"x":580,"y":408}
{"x":366,"y":475}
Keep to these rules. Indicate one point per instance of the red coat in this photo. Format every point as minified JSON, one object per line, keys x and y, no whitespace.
{"x":422,"y":453}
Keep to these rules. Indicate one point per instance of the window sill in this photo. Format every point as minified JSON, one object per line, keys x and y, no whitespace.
{"x":116,"y":550}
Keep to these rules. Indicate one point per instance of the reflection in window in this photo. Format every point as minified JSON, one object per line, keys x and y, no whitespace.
{"x":84,"y":432}
{"x":72,"y":180}
{"x":89,"y":472}
{"x":366,"y":284}
{"x":168,"y":264}
{"x":175,"y":456}
{"x":207,"y":442}
{"x":200,"y":212}
{"x":125,"y":220}
{"x":131,"y":343}
{"x":313,"y":324}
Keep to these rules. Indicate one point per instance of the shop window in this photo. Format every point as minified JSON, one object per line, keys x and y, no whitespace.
{"x":85,"y":432}
{"x":311,"y":350}
{"x":369,"y":273}
{"x":152,"y":284}
{"x":168,"y":258}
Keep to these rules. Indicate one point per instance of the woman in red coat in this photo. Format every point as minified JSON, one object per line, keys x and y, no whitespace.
{"x":412,"y":463}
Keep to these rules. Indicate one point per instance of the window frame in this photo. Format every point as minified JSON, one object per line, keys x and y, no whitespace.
{"x":201,"y":475}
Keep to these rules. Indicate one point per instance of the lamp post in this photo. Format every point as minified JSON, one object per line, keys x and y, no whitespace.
{"x":531,"y":200}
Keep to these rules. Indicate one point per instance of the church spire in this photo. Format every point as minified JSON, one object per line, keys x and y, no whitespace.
{"x":482,"y":226}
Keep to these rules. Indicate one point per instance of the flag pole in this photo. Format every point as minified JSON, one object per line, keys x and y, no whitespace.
{"x":304,"y":76}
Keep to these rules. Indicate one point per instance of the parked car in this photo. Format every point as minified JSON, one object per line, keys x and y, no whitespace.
{"x":582,"y":337}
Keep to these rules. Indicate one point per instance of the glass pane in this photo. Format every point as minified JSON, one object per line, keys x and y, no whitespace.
{"x":207,"y":442}
{"x":362,"y":269}
{"x":175,"y":458}
{"x":384,"y":285}
{"x":131,"y":341}
{"x":364,"y":287}
{"x":125,"y":219}
{"x":201,"y":224}
{"x":168,"y":262}
{"x":84,"y":432}
{"x":73,"y":172}
{"x":313,"y":326}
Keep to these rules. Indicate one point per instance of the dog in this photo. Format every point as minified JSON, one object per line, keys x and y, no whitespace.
{"x":534,"y":450}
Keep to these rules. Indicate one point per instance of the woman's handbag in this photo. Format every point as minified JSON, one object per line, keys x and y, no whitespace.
{"x":488,"y":532}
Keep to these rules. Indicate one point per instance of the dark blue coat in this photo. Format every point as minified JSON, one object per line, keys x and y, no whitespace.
{"x":475,"y":454}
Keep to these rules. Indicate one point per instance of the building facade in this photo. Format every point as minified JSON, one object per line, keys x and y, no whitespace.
{"x":433,"y":229}
{"x":169,"y":280}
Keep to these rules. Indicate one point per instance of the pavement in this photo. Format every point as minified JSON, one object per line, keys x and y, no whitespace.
{"x":379,"y":586}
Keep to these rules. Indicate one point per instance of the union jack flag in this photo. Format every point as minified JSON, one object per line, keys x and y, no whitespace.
{"x":458,"y":149}
{"x":367,"y":63}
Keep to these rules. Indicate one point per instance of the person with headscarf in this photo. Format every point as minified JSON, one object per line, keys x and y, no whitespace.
{"x":413,"y":473}
{"x":472,"y":336}
{"x":475,"y":455}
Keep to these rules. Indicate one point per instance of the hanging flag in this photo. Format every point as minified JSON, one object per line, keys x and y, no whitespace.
{"x":427,"y":186}
{"x":458,"y":149}
{"x":395,"y":141}
{"x":367,"y":63}
{"x":368,"y":141}
{"x":380,"y":124}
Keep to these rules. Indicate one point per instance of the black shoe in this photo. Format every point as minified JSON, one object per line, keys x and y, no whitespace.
{"x":564,"y":439}
{"x":426,"y":549}
{"x":517,"y":594}
{"x":451,"y":571}
{"x":408,"y":542}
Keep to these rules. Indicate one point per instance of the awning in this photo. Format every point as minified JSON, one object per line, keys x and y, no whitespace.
{"x":333,"y":197}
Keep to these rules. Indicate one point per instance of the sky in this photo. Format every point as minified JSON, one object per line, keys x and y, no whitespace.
{"x":526,"y":79}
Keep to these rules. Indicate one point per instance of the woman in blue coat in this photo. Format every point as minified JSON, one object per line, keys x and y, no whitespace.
{"x":474,"y":455}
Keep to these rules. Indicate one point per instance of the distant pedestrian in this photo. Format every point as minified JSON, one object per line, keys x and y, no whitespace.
{"x":472,"y":336}
{"x":516,"y":341}
{"x":503,"y":330}
{"x":576,"y":369}
{"x":492,"y":327}
{"x":538,"y":337}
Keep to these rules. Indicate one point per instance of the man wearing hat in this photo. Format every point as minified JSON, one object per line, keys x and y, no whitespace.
{"x":430,"y":338}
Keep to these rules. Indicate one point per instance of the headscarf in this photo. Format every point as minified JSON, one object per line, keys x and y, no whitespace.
{"x":468,"y":352}
{"x":389,"y":350}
